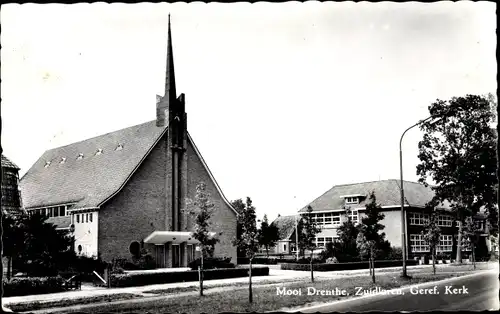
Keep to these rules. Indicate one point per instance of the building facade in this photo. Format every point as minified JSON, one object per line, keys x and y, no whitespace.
{"x":11,"y":195}
{"x":333,"y":208}
{"x":132,"y":185}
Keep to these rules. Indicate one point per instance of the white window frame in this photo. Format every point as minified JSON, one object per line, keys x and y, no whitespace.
{"x":354,"y":215}
{"x":352,"y":200}
{"x":445,"y":221}
{"x":328,"y":219}
{"x":418,"y":244}
{"x":418,"y":219}
{"x":322,"y":241}
{"x":445,"y":243}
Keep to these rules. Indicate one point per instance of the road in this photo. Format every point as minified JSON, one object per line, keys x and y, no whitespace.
{"x":477,"y":292}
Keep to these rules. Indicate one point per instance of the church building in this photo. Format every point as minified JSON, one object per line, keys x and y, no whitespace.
{"x":130,"y":186}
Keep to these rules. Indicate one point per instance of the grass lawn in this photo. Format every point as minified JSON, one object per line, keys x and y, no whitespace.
{"x":236,"y":284}
{"x":235,"y":298}
{"x":32,"y":306}
{"x":266,"y":298}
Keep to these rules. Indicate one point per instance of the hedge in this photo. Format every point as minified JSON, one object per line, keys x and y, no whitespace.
{"x":211,"y":263}
{"x":19,"y":286}
{"x":347,"y":266}
{"x":143,"y":279}
{"x":258,"y":260}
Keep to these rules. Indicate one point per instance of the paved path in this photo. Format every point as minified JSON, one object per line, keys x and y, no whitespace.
{"x":475,"y":292}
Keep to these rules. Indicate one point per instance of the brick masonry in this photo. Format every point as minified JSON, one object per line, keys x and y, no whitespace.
{"x":137,"y":210}
{"x":144,"y":205}
{"x":224,"y":219}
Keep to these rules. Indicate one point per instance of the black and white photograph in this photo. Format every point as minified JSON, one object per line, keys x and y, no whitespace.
{"x":249,"y":157}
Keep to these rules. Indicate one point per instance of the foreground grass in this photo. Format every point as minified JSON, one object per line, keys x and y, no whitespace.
{"x":266,"y":298}
{"x":33,"y":306}
{"x":208,"y":287}
{"x":386,"y":279}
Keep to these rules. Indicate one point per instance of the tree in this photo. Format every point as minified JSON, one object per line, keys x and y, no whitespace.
{"x":307,"y":236}
{"x":37,"y":247}
{"x":470,"y":234}
{"x":370,"y":241}
{"x":248,"y":241}
{"x":432,"y":234}
{"x":458,"y":152}
{"x":202,"y":210}
{"x":12,"y":240}
{"x":268,"y":234}
{"x":346,"y":245}
{"x":239,"y":206}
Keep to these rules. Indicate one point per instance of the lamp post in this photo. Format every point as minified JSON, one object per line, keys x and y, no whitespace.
{"x":403,"y":220}
{"x":297,"y":237}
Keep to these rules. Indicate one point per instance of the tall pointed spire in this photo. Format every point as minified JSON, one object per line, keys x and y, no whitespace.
{"x":165,"y":104}
{"x":170,"y":92}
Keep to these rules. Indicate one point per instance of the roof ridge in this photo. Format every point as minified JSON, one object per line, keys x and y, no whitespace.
{"x":357,"y":183}
{"x":94,"y":137}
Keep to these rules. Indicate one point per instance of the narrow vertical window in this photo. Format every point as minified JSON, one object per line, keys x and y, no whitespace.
{"x":90,"y":217}
{"x":77,"y":218}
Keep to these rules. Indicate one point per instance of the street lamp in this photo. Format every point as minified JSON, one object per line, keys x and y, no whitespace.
{"x":297,"y":236}
{"x":403,"y":221}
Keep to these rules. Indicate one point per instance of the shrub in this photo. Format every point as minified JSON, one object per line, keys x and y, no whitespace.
{"x":19,"y":286}
{"x":212,"y":263}
{"x":332,"y":260}
{"x":258,"y":260}
{"x":346,"y":266}
{"x":395,"y":253}
{"x":307,"y":260}
{"x":443,"y":256}
{"x":142,"y":279}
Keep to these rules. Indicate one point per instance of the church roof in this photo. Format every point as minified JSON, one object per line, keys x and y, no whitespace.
{"x":6,"y":163}
{"x":88,"y":172}
{"x":387,"y":193}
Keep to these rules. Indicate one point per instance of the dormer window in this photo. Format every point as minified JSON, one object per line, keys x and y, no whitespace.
{"x":99,"y":152}
{"x":63,"y":160}
{"x":80,"y":156}
{"x":119,"y":147}
{"x":351,"y":200}
{"x":47,"y":164}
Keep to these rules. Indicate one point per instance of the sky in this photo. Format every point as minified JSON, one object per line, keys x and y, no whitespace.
{"x":284,"y":100}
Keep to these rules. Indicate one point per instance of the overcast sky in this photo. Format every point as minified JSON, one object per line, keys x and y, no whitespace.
{"x":284,"y":100}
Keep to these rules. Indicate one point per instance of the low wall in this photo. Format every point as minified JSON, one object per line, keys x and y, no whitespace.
{"x":151,"y":278}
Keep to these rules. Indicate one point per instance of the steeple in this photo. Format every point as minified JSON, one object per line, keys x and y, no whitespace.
{"x":170,"y":93}
{"x":167,"y":102}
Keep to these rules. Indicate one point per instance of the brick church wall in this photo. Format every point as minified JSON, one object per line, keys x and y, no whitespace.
{"x":137,"y":210}
{"x":224,"y":218}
